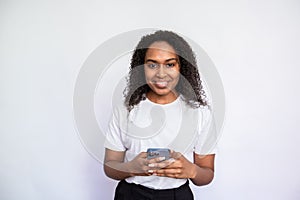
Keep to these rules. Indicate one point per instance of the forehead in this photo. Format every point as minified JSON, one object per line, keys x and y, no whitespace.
{"x":161,"y":49}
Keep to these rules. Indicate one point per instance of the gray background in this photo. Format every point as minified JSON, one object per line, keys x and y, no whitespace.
{"x":254,"y":44}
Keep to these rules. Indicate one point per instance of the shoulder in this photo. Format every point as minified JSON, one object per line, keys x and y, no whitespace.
{"x":205,"y":115}
{"x":203,"y":111}
{"x":121,"y":111}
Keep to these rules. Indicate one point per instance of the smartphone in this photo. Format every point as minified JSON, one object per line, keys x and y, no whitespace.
{"x":158,"y":152}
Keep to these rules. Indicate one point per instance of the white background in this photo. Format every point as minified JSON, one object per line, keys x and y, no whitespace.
{"x":255,"y":46}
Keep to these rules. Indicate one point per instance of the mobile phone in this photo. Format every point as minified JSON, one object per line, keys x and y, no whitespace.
{"x":158,"y":152}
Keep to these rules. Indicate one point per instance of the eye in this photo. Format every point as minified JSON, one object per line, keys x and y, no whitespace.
{"x":169,"y":65}
{"x":152,"y":65}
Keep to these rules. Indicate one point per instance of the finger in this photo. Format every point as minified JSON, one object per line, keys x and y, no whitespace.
{"x":169,"y":171}
{"x":162,"y":164}
{"x":167,"y":163}
{"x":170,"y":175}
{"x":143,"y":155}
{"x":176,"y":155}
{"x":172,"y":163}
{"x":156,"y":160}
{"x":172,"y":152}
{"x":174,"y":173}
{"x":151,"y":171}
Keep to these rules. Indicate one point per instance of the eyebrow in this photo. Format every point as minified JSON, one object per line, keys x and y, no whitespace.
{"x":170,"y":59}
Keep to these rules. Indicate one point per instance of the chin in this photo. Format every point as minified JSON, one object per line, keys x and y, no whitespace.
{"x":162,"y":92}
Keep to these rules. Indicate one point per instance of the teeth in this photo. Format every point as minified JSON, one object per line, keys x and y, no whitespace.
{"x":162,"y":84}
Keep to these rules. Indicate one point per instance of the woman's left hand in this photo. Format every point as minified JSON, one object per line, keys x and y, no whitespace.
{"x":176,"y":167}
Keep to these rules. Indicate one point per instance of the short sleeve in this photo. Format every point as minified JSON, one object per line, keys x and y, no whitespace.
{"x":206,"y":142}
{"x":113,"y":138}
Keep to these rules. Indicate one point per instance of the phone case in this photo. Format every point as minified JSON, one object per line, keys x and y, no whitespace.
{"x":158,"y":152}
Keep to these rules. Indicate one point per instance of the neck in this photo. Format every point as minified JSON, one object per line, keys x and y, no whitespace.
{"x":162,"y":99}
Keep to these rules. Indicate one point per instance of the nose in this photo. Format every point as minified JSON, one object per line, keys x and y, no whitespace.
{"x":161,"y":73}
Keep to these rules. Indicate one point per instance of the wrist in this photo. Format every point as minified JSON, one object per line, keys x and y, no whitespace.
{"x":193,"y":171}
{"x":129,"y":169}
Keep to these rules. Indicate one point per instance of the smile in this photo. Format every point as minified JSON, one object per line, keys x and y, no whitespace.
{"x":160,"y":84}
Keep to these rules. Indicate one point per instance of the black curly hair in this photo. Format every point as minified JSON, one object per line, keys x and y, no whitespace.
{"x":189,"y":85}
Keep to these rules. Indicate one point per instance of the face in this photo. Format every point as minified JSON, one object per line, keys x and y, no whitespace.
{"x":162,"y":72}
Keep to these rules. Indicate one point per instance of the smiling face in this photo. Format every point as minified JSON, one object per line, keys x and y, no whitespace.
{"x":161,"y":72}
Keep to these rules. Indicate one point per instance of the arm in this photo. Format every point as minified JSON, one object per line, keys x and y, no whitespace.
{"x":204,"y":169}
{"x":116,"y":168}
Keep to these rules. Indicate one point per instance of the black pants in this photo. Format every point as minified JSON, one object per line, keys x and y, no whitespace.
{"x":131,"y":191}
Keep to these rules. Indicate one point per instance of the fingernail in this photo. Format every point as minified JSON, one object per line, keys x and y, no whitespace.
{"x":150,"y":171}
{"x":151,"y":165}
{"x":162,"y":158}
{"x":171,"y":160}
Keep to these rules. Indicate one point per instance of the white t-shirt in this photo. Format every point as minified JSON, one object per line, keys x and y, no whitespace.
{"x":149,"y":125}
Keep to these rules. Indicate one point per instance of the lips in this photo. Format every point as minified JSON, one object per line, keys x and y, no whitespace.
{"x":160,"y":84}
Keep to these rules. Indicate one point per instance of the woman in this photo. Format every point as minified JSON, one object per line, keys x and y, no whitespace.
{"x":164,"y":75}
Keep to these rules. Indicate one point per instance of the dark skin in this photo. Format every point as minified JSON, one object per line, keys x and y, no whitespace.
{"x":161,"y":72}
{"x":200,"y":172}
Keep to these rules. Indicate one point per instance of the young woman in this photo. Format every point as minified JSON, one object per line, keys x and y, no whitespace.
{"x":163,"y":74}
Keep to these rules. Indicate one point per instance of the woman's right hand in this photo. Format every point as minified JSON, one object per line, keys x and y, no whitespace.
{"x":139,"y":166}
{"x":116,"y":168}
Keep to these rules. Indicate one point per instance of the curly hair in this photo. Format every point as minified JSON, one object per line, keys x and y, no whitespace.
{"x":189,"y":85}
